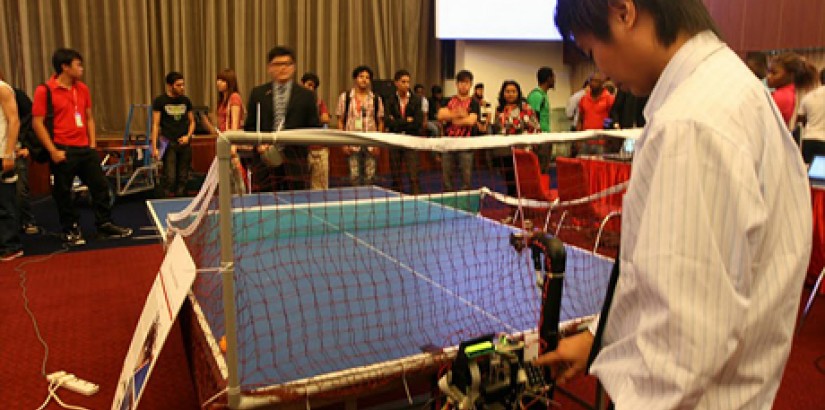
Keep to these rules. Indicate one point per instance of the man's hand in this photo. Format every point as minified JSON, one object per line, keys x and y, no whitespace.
{"x":8,"y":164}
{"x":263,"y":148}
{"x":569,"y":359}
{"x":58,"y":156}
{"x":183,"y":140}
{"x":23,"y":153}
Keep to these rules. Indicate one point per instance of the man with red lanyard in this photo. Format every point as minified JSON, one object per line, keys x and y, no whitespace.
{"x":70,"y":140}
{"x":460,"y":115}
{"x":594,"y":108}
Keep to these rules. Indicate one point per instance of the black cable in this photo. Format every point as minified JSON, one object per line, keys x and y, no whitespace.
{"x":819,"y":363}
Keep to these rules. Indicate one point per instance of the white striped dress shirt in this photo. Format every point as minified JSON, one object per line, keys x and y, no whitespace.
{"x":716,"y":237}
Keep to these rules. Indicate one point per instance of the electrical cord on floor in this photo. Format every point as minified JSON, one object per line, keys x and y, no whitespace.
{"x":820,"y":364}
{"x":53,"y":385}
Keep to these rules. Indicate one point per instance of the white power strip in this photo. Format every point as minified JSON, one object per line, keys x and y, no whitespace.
{"x":72,"y":382}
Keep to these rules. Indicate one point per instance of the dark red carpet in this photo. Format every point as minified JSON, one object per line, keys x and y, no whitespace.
{"x":87,"y":304}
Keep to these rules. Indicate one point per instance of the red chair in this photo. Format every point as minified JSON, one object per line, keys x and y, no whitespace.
{"x":531,"y":183}
{"x":573,"y":185}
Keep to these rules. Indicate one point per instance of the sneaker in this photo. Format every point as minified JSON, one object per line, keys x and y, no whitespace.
{"x":73,"y":237}
{"x":9,"y":256}
{"x":31,"y":229}
{"x":110,"y":230}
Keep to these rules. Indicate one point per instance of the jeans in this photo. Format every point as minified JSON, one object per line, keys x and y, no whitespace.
{"x":9,"y":220}
{"x":21,"y":167}
{"x":361,"y":167}
{"x":176,"y":163}
{"x":84,"y":163}
{"x":465,"y":163}
{"x":410,"y":158}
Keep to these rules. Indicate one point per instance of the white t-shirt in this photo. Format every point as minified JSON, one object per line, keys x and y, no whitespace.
{"x":4,"y":125}
{"x":813,"y":108}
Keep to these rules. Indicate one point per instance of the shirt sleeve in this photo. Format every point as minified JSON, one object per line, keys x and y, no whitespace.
{"x":235,"y":99}
{"x":535,"y":100}
{"x":39,"y":105}
{"x":157,"y":104}
{"x":88,"y":97}
{"x":339,"y":110}
{"x":688,"y":268}
{"x":380,"y":107}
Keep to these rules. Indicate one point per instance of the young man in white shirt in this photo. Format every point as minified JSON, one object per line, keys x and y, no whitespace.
{"x":716,"y":221}
{"x":812,"y":117}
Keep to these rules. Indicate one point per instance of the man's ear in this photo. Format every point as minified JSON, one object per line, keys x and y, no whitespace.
{"x":623,"y":11}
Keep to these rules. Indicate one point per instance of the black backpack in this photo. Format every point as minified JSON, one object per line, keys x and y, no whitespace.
{"x":27,"y":137}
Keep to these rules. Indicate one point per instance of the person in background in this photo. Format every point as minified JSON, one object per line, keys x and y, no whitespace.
{"x":318,"y":155}
{"x":25,"y":145}
{"x":540,"y":103}
{"x":404,"y":115}
{"x":436,"y":102}
{"x":514,"y":116}
{"x":594,"y":108}
{"x":789,"y":74}
{"x":716,"y":220}
{"x":280,"y":105}
{"x":230,"y":114}
{"x":572,"y":109}
{"x":361,"y":110}
{"x":485,"y":113}
{"x":757,"y":62}
{"x":425,"y":108}
{"x":173,"y":119}
{"x":461,"y":116}
{"x":812,"y":117}
{"x":71,"y":140}
{"x":10,"y":245}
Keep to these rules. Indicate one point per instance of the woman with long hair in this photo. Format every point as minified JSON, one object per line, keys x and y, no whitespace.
{"x":230,"y":113}
{"x":230,"y":105}
{"x":789,"y":74}
{"x":513,"y":116}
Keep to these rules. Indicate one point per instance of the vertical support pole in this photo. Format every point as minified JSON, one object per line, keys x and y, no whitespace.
{"x":228,"y":270}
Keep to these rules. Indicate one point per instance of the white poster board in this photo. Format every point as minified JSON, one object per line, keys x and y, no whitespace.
{"x":175,"y":278}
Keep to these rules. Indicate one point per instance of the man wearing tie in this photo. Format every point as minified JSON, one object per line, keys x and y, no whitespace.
{"x":280,"y":105}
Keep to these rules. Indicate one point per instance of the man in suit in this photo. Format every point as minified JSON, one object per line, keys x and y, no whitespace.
{"x":404,"y":115}
{"x":280,"y":105}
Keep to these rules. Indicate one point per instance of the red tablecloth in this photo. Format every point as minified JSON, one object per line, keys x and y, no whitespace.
{"x":603,"y":174}
{"x":818,"y":249}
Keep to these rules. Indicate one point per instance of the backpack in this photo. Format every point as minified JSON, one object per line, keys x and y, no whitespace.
{"x":28,"y":138}
{"x":375,"y":100}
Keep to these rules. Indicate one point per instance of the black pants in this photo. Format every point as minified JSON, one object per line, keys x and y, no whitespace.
{"x":9,"y":218}
{"x":811,"y":149}
{"x":21,"y":166}
{"x":176,"y":163}
{"x":82,"y":162}
{"x":292,"y":175}
{"x":410,"y":159}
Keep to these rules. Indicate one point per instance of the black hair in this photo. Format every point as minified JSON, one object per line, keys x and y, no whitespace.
{"x":822,"y":77}
{"x":501,"y":101}
{"x":399,"y":74}
{"x":172,"y":77}
{"x":479,"y":85}
{"x":671,"y":18}
{"x":760,"y":62}
{"x":310,"y":76}
{"x":279,"y":51}
{"x":360,"y":69}
{"x":464,"y":75}
{"x":63,"y":56}
{"x":544,"y":74}
{"x":418,"y":87}
{"x":436,"y":89}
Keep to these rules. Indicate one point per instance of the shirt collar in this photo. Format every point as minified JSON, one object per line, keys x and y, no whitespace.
{"x":681,"y":66}
{"x":288,"y":85}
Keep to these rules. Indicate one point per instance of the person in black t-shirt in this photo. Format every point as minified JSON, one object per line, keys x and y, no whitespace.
{"x":173,"y":119}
